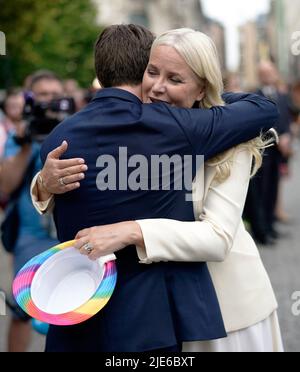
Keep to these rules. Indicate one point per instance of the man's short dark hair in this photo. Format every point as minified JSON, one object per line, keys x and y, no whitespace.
{"x":122,"y":54}
{"x":43,"y":75}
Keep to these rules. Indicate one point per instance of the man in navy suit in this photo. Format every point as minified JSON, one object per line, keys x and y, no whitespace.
{"x":264,"y":188}
{"x":159,"y":306}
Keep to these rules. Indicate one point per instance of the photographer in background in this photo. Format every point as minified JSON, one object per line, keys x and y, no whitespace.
{"x":25,"y":233}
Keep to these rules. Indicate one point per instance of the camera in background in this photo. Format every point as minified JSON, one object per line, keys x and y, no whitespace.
{"x":41,"y":118}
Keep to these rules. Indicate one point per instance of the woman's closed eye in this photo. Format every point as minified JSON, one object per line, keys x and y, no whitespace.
{"x":176,"y":80}
{"x":152,"y":72}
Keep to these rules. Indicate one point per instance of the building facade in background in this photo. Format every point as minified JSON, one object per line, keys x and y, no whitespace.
{"x":269,"y":37}
{"x":163,"y":15}
{"x":249,"y":55}
{"x":287,"y":16}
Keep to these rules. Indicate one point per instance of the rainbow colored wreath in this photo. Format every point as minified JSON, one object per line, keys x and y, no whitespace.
{"x":22,"y":291}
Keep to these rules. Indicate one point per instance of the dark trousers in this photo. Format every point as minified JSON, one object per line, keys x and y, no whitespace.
{"x":263,"y":194}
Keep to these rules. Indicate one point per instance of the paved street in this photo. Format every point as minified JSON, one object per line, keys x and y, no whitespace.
{"x":282,"y":263}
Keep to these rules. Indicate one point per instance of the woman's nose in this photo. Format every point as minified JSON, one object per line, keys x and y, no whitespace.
{"x":159,"y":87}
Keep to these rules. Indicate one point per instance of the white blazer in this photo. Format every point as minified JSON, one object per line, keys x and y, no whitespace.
{"x":218,"y":236}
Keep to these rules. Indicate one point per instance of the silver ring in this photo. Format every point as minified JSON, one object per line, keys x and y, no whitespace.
{"x":61,"y":182}
{"x":88,"y":248}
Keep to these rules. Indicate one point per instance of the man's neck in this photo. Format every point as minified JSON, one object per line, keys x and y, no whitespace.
{"x":135,"y":90}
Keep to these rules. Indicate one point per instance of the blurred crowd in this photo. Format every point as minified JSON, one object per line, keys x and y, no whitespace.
{"x":27,"y":115}
{"x":26,"y":118}
{"x":264,"y":206}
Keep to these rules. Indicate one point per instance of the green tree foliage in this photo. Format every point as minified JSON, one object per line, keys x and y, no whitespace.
{"x":58,"y":35}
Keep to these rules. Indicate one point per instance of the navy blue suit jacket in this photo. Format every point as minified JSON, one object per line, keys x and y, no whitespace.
{"x":163,"y":304}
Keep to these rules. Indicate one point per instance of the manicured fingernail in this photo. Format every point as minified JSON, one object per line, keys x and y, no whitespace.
{"x":81,"y":161}
{"x":84,"y":168}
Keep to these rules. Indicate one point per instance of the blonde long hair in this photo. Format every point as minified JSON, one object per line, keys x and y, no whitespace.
{"x":201,"y":55}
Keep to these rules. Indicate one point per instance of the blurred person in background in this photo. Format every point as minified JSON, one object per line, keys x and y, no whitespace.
{"x":80,"y":96}
{"x":295,"y":95}
{"x":32,"y":234}
{"x":71,"y":86}
{"x":13,"y":110}
{"x":232,"y":82}
{"x":13,"y":106}
{"x":286,"y":148}
{"x":263,"y":195}
{"x":285,"y":170}
{"x":27,"y":83}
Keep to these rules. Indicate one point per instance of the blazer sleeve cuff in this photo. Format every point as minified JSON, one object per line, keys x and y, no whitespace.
{"x":42,"y":207}
{"x":152,"y":243}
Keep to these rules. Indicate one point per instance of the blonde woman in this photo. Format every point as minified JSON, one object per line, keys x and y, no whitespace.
{"x":184,"y":65}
